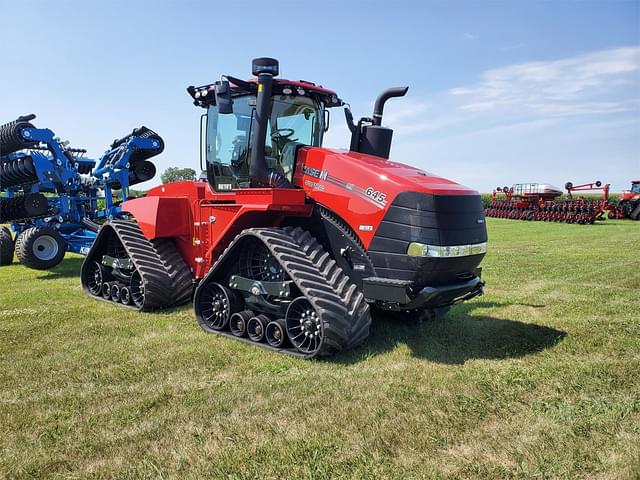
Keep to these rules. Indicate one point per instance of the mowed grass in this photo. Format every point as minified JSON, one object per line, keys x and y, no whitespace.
{"x":539,"y":378}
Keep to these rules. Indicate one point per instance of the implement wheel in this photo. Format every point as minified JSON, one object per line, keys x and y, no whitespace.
{"x":40,"y":248}
{"x":6,"y":246}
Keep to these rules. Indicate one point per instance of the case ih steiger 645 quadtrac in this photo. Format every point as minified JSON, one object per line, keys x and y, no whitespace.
{"x":290,"y":243}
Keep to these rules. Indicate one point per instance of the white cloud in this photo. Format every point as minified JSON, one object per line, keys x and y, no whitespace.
{"x":576,"y":118}
{"x":569,"y":86}
{"x":470,"y":36}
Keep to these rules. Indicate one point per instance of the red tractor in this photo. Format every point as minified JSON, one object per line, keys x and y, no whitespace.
{"x":629,"y":202}
{"x":288,"y":244}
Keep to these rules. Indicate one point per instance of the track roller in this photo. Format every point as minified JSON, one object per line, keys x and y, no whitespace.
{"x":238,"y":323}
{"x":115,"y":291}
{"x":106,"y":290}
{"x":6,"y":246}
{"x":125,"y":295}
{"x":275,"y":333}
{"x":256,"y":327}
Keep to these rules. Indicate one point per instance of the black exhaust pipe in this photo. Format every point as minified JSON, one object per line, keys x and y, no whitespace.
{"x":382,"y":99}
{"x":265,"y":69}
{"x":369,"y":136}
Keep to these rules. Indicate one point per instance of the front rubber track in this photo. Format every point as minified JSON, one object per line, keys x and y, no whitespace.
{"x":342,"y":308}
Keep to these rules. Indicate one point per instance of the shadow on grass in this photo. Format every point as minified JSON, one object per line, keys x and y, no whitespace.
{"x":69,"y":267}
{"x":457,"y":337}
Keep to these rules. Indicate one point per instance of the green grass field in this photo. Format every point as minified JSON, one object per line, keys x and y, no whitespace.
{"x":539,"y":378}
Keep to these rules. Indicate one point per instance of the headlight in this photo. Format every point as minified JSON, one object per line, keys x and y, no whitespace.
{"x":439,"y":251}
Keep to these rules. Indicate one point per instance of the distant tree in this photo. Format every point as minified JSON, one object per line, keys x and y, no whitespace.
{"x":175,"y":174}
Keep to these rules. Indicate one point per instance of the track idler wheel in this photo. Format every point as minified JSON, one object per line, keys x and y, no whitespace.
{"x":256,"y":327}
{"x":214,"y":305}
{"x":94,"y":278}
{"x":303,"y":326}
{"x":6,"y":246}
{"x":275,"y":333}
{"x":136,"y":288}
{"x":238,"y":322}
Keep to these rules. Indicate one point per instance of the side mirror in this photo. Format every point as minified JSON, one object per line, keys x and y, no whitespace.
{"x":327,"y":117}
{"x":223,"y":97}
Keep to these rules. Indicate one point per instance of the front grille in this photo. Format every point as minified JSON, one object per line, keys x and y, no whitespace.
{"x":434,"y":220}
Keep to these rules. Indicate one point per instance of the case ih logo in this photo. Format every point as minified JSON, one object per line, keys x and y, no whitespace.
{"x":314,"y":172}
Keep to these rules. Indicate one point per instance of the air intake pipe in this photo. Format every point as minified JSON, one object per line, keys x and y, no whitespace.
{"x":265,"y":69}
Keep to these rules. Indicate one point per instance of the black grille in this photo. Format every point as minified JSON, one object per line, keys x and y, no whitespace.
{"x":431,"y":219}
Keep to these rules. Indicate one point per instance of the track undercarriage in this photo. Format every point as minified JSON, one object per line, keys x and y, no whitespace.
{"x":276,"y":287}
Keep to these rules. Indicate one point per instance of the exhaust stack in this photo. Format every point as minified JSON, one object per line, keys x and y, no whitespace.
{"x":374,"y":139}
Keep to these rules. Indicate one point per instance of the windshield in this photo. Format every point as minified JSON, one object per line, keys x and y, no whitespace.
{"x":635,"y":188}
{"x":294,"y":121}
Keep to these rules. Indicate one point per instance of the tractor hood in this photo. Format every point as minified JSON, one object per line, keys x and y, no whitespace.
{"x":362,"y":189}
{"x":354,"y":169}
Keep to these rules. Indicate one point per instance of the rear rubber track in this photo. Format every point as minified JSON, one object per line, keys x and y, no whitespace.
{"x":166,"y":279}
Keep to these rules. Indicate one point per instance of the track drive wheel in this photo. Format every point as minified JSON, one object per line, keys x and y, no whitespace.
{"x":40,"y":248}
{"x":6,"y":246}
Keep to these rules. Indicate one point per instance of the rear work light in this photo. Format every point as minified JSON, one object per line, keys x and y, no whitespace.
{"x":439,"y":251}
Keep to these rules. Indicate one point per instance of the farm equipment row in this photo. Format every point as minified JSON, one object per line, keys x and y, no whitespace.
{"x":539,"y":202}
{"x":55,"y":198}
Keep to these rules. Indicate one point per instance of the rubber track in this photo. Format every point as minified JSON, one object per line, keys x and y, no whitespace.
{"x":338,"y":302}
{"x":167,"y":280}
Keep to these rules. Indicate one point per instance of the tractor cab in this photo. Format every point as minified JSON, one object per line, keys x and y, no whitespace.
{"x":253,"y":129}
{"x":294,"y":121}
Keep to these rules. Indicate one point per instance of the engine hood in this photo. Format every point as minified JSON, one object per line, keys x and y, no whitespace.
{"x":360,"y":188}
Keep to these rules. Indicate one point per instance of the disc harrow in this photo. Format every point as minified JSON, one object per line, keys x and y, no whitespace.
{"x":29,"y":206}
{"x":11,"y":138}
{"x":80,"y":192}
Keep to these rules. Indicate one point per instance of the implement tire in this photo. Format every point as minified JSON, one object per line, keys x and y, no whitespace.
{"x":7,"y":246}
{"x":40,"y":248}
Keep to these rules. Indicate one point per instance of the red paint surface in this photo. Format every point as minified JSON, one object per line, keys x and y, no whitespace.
{"x":203,"y":222}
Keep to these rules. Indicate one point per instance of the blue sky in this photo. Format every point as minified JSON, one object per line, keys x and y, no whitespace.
{"x":500,"y":92}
